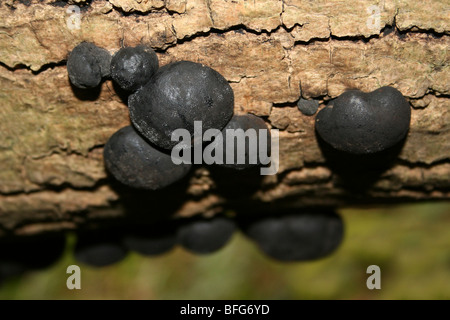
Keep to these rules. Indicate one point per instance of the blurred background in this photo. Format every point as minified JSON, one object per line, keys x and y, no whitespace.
{"x":410,"y":243}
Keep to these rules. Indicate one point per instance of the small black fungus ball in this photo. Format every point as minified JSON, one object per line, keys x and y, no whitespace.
{"x":99,"y":248}
{"x":203,"y":236}
{"x":154,"y":239}
{"x":308,"y":107}
{"x":21,"y":254}
{"x":87,"y":64}
{"x":363,"y":123}
{"x":135,"y":163}
{"x":296,"y":237}
{"x":245,"y":148}
{"x":177,"y":95}
{"x":132,"y":67}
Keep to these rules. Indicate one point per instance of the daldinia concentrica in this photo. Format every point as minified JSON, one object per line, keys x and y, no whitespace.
{"x":87,"y":64}
{"x":136,"y":163}
{"x":363,"y":123}
{"x":296,"y":236}
{"x":132,"y":67}
{"x":176,"y":96}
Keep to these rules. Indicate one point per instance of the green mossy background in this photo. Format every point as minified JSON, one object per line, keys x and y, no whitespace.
{"x":410,"y":243}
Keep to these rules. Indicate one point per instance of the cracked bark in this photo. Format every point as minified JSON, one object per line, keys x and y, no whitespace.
{"x":272,"y":53}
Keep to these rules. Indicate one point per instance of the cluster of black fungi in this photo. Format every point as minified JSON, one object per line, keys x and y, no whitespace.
{"x":172,"y":97}
{"x":161,"y":101}
{"x":284,"y":237}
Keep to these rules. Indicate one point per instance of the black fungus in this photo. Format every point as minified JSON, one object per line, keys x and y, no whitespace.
{"x":135,"y":163}
{"x":25,"y":253}
{"x":99,"y":248}
{"x":363,"y":123}
{"x":245,"y":148}
{"x":203,"y":236}
{"x":87,"y":64}
{"x":296,"y":237}
{"x":177,"y":95}
{"x":132,"y":67}
{"x":308,"y":107}
{"x":152,"y":239}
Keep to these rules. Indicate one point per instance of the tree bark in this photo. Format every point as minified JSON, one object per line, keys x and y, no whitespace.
{"x":52,"y":175}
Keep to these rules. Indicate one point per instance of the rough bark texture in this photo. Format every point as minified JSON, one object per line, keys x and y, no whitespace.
{"x":272,"y":52}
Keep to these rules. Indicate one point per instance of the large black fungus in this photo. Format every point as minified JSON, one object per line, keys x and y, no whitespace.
{"x":87,"y":64}
{"x":242,"y":142}
{"x":176,"y":96}
{"x":203,"y":236}
{"x":135,"y":163}
{"x":132,"y":67}
{"x":296,"y":237}
{"x":152,"y":239}
{"x":99,"y":248}
{"x":363,"y":123}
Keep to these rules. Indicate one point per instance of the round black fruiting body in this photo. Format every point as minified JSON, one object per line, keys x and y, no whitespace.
{"x":87,"y":64}
{"x":132,"y":67}
{"x":177,"y":95}
{"x":22,"y":253}
{"x":308,"y":107}
{"x":364,"y":123}
{"x":203,"y":236}
{"x":296,"y":237}
{"x":153,"y":239}
{"x":135,"y":163}
{"x":99,"y":248}
{"x":232,"y":143}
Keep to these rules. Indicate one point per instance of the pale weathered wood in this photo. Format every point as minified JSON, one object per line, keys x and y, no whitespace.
{"x":51,"y":166}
